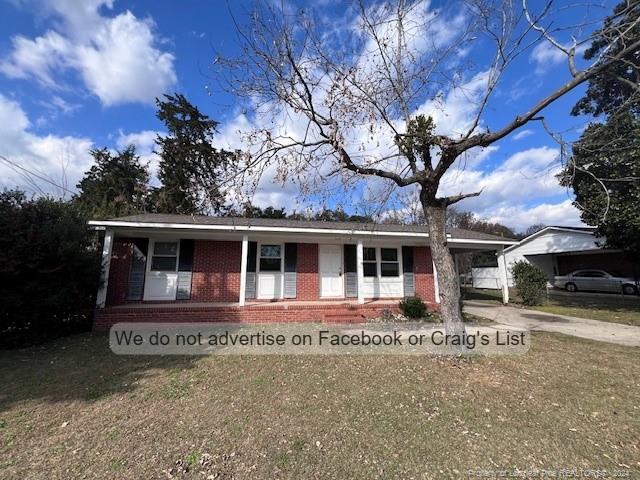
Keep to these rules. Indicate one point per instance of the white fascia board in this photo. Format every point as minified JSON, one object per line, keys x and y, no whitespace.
{"x":543,"y":231}
{"x":482,"y":242}
{"x":245,"y":228}
{"x":252,"y":228}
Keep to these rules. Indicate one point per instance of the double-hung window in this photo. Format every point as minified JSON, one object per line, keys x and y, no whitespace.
{"x":380,"y":262}
{"x":270,"y":258}
{"x":369,"y":262}
{"x":165,"y":257}
{"x":389,"y":264}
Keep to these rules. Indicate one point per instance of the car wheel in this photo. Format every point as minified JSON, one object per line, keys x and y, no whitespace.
{"x":629,"y":290}
{"x":571,"y":287}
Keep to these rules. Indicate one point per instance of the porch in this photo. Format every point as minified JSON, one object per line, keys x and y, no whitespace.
{"x":228,"y":270}
{"x":176,"y":268}
{"x":327,"y":311}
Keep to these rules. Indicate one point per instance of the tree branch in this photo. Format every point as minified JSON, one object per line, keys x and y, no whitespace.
{"x":450,"y":200}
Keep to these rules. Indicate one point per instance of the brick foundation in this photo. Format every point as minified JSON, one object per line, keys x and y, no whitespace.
{"x":107,"y":317}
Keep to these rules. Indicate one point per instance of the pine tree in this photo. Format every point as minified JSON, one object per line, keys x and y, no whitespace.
{"x":189,"y":164}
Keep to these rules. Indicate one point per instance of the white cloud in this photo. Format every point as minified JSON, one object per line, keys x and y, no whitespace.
{"x":38,"y":57}
{"x":61,"y":160}
{"x":144,"y":141}
{"x":520,"y":217}
{"x":522,"y":134}
{"x":521,"y":191}
{"x":117,"y":57}
{"x":545,"y":53}
{"x":524,"y":175}
{"x":453,"y":112}
{"x":546,"y":56}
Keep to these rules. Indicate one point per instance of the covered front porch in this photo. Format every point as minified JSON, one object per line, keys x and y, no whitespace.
{"x":183,"y":268}
{"x":232,"y":269}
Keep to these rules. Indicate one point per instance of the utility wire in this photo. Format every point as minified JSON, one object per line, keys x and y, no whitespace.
{"x":29,"y":172}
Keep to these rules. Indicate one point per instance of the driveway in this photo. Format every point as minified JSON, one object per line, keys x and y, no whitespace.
{"x":548,"y":322}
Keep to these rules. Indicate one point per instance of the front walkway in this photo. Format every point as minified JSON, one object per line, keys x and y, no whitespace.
{"x":548,"y":322}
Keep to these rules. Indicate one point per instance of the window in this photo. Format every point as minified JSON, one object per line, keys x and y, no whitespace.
{"x":591,"y":274}
{"x":165,"y":256}
{"x":389,"y":266}
{"x":270,"y":258}
{"x":387,"y":258}
{"x":369,"y":265}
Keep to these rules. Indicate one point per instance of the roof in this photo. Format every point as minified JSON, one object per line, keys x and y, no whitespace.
{"x":583,"y":230}
{"x":577,"y":229}
{"x":175,"y":220}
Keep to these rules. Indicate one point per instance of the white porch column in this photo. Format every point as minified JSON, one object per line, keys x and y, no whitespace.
{"x":243,"y":269}
{"x":107,"y":248}
{"x":502,"y":268}
{"x":360,"y":270}
{"x":436,"y":285}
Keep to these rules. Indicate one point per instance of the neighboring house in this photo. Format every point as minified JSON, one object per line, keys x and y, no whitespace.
{"x":557,"y":251}
{"x":193,"y":268}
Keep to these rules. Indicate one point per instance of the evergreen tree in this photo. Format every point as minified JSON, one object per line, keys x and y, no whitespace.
{"x":189,"y":164}
{"x":49,"y":270}
{"x":114,"y":186}
{"x":604,"y":170}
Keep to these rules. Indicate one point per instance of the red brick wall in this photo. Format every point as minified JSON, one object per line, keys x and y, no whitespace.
{"x":308,"y":287}
{"x":216,"y":271}
{"x":119,"y":271}
{"x":423,"y":271}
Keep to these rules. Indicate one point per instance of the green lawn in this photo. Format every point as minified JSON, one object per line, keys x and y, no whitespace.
{"x":72,"y":409}
{"x":597,"y":307}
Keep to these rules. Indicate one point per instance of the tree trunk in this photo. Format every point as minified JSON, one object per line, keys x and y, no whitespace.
{"x":445,"y":267}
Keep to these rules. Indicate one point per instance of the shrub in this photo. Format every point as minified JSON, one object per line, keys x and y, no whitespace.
{"x":49,"y":270}
{"x":413,"y":307}
{"x":531,"y":282}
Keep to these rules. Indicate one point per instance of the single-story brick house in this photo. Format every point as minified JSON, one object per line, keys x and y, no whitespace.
{"x":181,"y":268}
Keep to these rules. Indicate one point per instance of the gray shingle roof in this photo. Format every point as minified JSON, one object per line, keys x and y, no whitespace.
{"x":457,"y":233}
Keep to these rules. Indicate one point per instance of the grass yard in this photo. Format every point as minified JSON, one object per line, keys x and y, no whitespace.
{"x":72,"y":409}
{"x":596,"y":307}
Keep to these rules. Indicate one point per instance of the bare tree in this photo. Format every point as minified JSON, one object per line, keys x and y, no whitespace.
{"x":357,"y":99}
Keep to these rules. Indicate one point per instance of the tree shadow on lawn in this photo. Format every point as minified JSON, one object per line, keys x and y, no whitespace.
{"x":79,"y":367}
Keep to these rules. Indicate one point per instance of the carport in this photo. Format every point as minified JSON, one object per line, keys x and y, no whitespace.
{"x":459,"y":247}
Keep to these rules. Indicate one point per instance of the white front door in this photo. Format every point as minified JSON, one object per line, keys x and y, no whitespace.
{"x":162,"y":271}
{"x":331,"y":271}
{"x":270,"y":265}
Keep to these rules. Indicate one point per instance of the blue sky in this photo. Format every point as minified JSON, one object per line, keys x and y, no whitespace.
{"x":77,"y":75}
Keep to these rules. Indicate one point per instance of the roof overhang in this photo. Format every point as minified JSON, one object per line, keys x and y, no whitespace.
{"x":545,"y":230}
{"x":306,"y":233}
